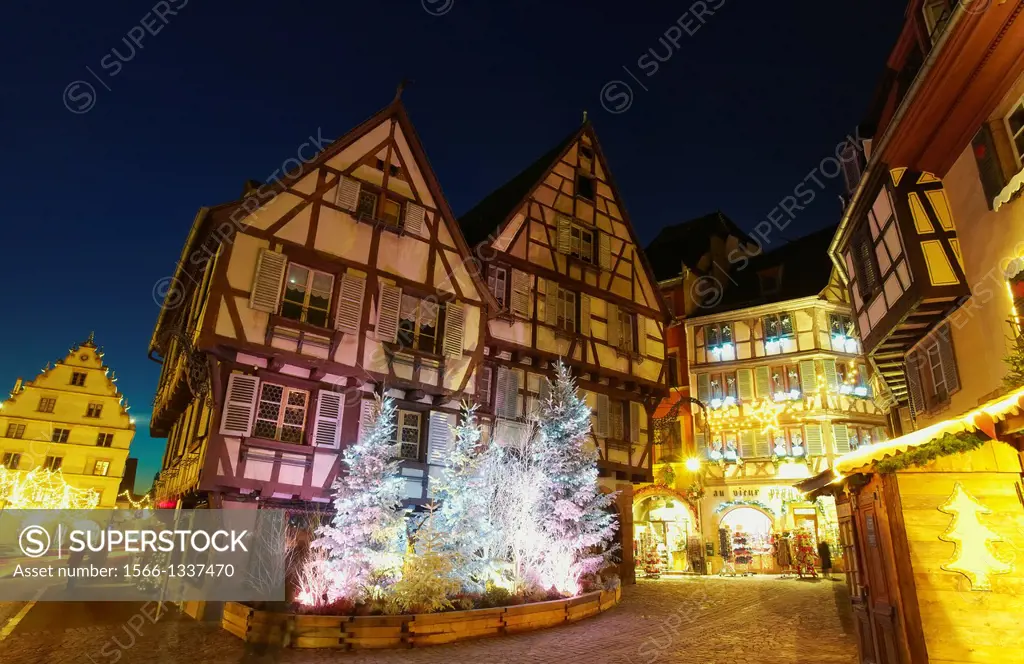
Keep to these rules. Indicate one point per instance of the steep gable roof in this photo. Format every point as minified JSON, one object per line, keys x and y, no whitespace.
{"x":685,"y":243}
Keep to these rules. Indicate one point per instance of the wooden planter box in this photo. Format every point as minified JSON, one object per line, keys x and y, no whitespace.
{"x":414,"y":631}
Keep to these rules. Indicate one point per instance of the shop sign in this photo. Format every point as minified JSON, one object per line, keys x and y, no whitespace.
{"x":762,"y":493}
{"x":803,"y":510}
{"x":843,"y":510}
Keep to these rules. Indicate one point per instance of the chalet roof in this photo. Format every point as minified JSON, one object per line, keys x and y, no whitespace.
{"x":487,"y":215}
{"x":685,"y":243}
{"x":803,"y":267}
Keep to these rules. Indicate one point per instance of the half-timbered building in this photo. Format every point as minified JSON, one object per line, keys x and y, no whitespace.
{"x":291,"y":306}
{"x":563,"y":261}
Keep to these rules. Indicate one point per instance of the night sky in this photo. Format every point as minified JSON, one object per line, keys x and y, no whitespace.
{"x":97,"y":204}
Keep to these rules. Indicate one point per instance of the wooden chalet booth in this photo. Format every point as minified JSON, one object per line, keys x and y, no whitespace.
{"x":932,"y":528}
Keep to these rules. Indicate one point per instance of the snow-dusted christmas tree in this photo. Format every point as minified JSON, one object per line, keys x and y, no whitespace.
{"x":580,"y":524}
{"x":464,"y":497}
{"x":366,"y":539}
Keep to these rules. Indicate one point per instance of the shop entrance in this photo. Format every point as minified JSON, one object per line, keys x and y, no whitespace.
{"x":664,"y":525}
{"x":745,"y":533}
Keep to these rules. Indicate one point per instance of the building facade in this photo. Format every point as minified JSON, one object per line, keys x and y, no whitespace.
{"x":930,"y":247}
{"x":572,"y":282}
{"x":70,"y":424}
{"x":295,"y":304}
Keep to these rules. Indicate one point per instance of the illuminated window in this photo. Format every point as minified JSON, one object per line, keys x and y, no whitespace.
{"x":1015,"y":127}
{"x":581,"y":243}
{"x":94,"y":410}
{"x":788,"y":441}
{"x":307,"y":295}
{"x":60,"y":435}
{"x":15,"y":430}
{"x":723,"y":389}
{"x":281,"y":413}
{"x":778,"y":333}
{"x":418,"y":324}
{"x":46,"y":404}
{"x":566,"y":308}
{"x":625,"y":331}
{"x":785,"y":379}
{"x":392,"y":212}
{"x":78,"y":378}
{"x":100,"y":468}
{"x":407,"y":434}
{"x":843,"y":333}
{"x":53,"y":463}
{"x":718,"y":338}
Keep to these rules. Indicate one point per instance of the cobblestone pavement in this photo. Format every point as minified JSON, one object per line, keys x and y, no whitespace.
{"x":703,"y":620}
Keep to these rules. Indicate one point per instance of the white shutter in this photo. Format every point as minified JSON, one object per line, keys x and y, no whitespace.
{"x":501,"y":391}
{"x":327,"y":421}
{"x":366,"y":414}
{"x":564,"y":235}
{"x":808,"y":378}
{"x":239,"y":405}
{"x":745,"y":385}
{"x":747,"y":444}
{"x":603,"y":413}
{"x":703,"y":388}
{"x":613,"y":325}
{"x":641,"y":335}
{"x":634,"y":421}
{"x":350,"y":303}
{"x":604,"y":251}
{"x":813,"y":445}
{"x":389,"y":304}
{"x":413,"y":222}
{"x":831,"y":375}
{"x":454,"y":328}
{"x":763,"y":382}
{"x":584,"y":315}
{"x":348,"y":194}
{"x":520,"y":293}
{"x":512,"y":393}
{"x":761,"y":446}
{"x":551,"y":302}
{"x":841,"y":435}
{"x":439,"y":438}
{"x":267,"y":281}
{"x":700,"y":445}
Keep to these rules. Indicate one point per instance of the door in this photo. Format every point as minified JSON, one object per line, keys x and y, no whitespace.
{"x":849,"y":539}
{"x":878,"y":610}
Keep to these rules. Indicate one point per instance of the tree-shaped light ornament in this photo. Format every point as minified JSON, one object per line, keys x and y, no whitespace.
{"x":972,"y":556}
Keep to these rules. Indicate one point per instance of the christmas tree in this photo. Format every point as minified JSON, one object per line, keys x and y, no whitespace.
{"x":366,"y":537}
{"x":580,"y":524}
{"x":649,"y":560}
{"x":806,"y":557}
{"x":972,"y":556}
{"x":741,"y":548}
{"x":464,"y":496}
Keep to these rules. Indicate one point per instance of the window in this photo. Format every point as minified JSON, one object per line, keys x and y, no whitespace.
{"x":586,"y":159}
{"x":497,"y":283}
{"x":865,"y":263}
{"x":53,"y":463}
{"x":718,"y":338}
{"x":407,"y":434}
{"x":566,"y":310}
{"x":863,"y":436}
{"x":100,"y":468}
{"x":367,"y":206}
{"x":723,"y":389}
{"x":936,"y":13}
{"x":581,"y":243}
{"x":778,"y":333}
{"x":15,"y":430}
{"x":11,"y":461}
{"x":788,"y":441}
{"x":1015,"y":127}
{"x":724,"y":446}
{"x":673,"y":370}
{"x":307,"y":295}
{"x":617,"y":420}
{"x":46,"y":404}
{"x":281,"y":413}
{"x":484,"y":380}
{"x":60,"y":435}
{"x":585,"y":187}
{"x":105,"y":440}
{"x":78,"y":378}
{"x":94,"y":410}
{"x":785,"y":382}
{"x":843,"y":333}
{"x":625,"y":331}
{"x":418,"y":324}
{"x":931,"y":371}
{"x":853,"y":379}
{"x":392,"y":212}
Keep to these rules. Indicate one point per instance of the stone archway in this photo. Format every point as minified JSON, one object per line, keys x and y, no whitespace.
{"x":667,"y":491}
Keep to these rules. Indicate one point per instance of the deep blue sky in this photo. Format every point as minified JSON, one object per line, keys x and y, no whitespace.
{"x":97,"y":205}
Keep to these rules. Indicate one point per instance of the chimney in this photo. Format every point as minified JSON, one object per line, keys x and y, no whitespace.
{"x":250,"y":187}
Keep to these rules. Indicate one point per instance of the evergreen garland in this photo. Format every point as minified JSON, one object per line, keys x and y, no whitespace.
{"x":1015,"y":361}
{"x":923,"y":454}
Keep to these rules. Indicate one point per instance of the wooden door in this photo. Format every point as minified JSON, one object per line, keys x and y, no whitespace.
{"x":851,"y":541}
{"x":877,"y":610}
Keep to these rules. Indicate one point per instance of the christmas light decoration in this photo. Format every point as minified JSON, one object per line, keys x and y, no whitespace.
{"x":972,"y":555}
{"x":43,"y":489}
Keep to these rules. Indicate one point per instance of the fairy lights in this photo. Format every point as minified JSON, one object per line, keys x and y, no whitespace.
{"x":47,"y":489}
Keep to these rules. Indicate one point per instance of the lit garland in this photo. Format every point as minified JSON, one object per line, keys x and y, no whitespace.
{"x":918,"y":456}
{"x":43,"y":489}
{"x":744,"y":503}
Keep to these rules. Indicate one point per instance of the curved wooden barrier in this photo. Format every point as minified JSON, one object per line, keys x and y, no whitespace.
{"x":412,"y":631}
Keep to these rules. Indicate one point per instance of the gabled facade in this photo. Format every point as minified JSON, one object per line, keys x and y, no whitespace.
{"x":71,"y":418}
{"x":564,"y":264}
{"x":300,"y":300}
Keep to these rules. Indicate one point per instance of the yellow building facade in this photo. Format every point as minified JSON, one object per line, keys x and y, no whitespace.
{"x":69,"y":424}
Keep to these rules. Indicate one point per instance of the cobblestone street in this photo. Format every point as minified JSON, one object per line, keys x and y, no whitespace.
{"x":700,"y":620}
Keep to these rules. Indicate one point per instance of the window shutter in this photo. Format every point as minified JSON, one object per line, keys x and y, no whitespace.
{"x":584,"y":315}
{"x":841,"y":436}
{"x":389,"y":304}
{"x":350,"y":303}
{"x":747,"y":444}
{"x":763,"y":383}
{"x":745,"y":385}
{"x":813,"y":444}
{"x":862,"y":373}
{"x":564,"y":236}
{"x":348,"y":194}
{"x":603,"y":413}
{"x":484,"y":376}
{"x":501,"y":390}
{"x":544,"y":391}
{"x":327,"y":423}
{"x":267,"y":281}
{"x":454,"y":329}
{"x":413,"y":218}
{"x":914,"y":390}
{"x":512,"y":393}
{"x":831,"y":376}
{"x":551,"y":302}
{"x":761,"y":446}
{"x":439,"y":438}
{"x":948,"y":358}
{"x":613,"y":325}
{"x":641,"y":335}
{"x":604,"y":251}
{"x":239,"y":405}
{"x":366,"y":414}
{"x":520,"y":293}
{"x":634,"y":422}
{"x":703,"y":388}
{"x":700,"y":445}
{"x":808,"y":377}
{"x":991,"y":173}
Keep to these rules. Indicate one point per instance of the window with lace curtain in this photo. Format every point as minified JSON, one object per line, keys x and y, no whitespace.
{"x":418,"y":324}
